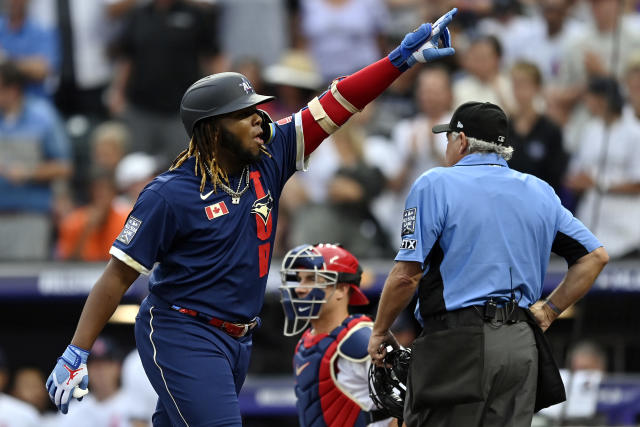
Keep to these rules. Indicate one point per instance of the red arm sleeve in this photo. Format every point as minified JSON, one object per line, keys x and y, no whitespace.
{"x":358,"y":89}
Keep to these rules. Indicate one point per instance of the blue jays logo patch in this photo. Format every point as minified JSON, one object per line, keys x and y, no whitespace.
{"x":262,"y":207}
{"x":408,"y":221}
{"x":130,"y":229}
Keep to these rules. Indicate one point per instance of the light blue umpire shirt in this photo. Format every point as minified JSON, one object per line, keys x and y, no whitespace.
{"x":480,"y":229}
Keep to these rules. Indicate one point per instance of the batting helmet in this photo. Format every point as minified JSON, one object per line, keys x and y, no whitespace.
{"x":387,"y":383}
{"x":215,"y":95}
{"x":331,"y":265}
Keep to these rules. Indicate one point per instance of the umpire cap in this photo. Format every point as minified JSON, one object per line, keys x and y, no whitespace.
{"x":215,"y":95}
{"x":480,"y":120}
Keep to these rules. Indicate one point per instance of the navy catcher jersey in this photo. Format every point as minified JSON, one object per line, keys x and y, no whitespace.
{"x":213,"y":256}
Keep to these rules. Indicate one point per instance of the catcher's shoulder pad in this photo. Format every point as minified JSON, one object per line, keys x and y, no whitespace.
{"x":354,"y":345}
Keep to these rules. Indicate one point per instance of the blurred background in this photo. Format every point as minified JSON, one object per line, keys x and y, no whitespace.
{"x":89,"y":96}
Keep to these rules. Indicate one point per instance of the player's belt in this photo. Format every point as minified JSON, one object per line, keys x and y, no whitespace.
{"x":235,"y":330}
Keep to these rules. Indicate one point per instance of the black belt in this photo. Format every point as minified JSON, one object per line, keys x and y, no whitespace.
{"x":474,"y":315}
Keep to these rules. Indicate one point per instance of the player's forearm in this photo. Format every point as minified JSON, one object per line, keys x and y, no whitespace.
{"x":102,"y":302}
{"x":399,"y":288}
{"x":579,"y":279}
{"x":48,"y":171}
{"x":331,"y":110}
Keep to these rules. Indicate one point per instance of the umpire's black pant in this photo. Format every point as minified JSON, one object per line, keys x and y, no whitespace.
{"x":509,"y":380}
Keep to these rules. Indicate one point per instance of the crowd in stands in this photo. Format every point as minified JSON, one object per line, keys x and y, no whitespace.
{"x":89,"y":95}
{"x":90,"y":90}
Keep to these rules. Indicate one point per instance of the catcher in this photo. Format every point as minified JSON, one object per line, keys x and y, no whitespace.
{"x":331,"y":363}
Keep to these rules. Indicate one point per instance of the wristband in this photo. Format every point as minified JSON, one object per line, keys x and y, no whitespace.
{"x":552,"y":306}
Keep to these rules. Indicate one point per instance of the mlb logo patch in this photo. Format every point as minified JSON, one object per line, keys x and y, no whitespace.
{"x":284,"y":120}
{"x":408,"y":221}
{"x":129,"y":230}
{"x":409,"y":244}
{"x":216,"y":210}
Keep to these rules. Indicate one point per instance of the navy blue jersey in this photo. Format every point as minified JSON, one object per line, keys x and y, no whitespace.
{"x":213,"y":256}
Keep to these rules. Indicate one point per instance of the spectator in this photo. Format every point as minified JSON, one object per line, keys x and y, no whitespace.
{"x":254,"y":28}
{"x":551,"y":28}
{"x":483,"y":78}
{"x":109,"y":143}
{"x":28,"y":386}
{"x":33,"y":48}
{"x":343,"y":212}
{"x":508,"y":25}
{"x":583,"y":59}
{"x":605,"y":171}
{"x":86,"y":29}
{"x":414,"y":148}
{"x":586,"y":355}
{"x":88,"y":232}
{"x":14,"y":412}
{"x":343,"y":35}
{"x":106,"y":404}
{"x":102,"y":149}
{"x":133,"y":173}
{"x":294,"y":80}
{"x":394,"y":104}
{"x":163,"y":45}
{"x":536,"y":140}
{"x":34,"y":153}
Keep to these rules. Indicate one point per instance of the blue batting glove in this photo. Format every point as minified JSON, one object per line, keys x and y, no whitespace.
{"x":69,"y":378}
{"x":422,"y":44}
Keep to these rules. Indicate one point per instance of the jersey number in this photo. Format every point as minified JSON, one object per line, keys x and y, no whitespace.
{"x":263,"y":229}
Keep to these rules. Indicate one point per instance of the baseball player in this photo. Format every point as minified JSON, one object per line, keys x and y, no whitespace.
{"x":208,"y":225}
{"x":331,"y":362}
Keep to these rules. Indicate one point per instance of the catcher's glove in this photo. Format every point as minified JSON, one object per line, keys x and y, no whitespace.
{"x":387,"y":383}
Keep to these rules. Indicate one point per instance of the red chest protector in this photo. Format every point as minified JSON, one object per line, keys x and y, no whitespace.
{"x":321,"y":401}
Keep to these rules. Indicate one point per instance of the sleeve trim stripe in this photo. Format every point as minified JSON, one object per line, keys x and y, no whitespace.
{"x":321,"y":117}
{"x":342,"y":100}
{"x":272,"y":130}
{"x":119,"y":254}
{"x":301,"y":161}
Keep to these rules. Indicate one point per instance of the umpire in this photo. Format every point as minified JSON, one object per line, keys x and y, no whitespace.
{"x":476,"y":240}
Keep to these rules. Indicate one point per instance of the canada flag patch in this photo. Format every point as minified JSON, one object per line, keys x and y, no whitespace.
{"x":216,"y":210}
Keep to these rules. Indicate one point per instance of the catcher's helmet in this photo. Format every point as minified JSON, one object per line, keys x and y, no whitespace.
{"x":215,"y":95}
{"x":331,"y":265}
{"x":387,"y":383}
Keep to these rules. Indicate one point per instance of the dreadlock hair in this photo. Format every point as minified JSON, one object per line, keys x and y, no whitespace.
{"x":205,"y":145}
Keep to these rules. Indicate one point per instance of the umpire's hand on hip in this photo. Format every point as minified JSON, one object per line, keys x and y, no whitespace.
{"x":421,"y":45}
{"x":69,"y":377}
{"x":543,"y":315}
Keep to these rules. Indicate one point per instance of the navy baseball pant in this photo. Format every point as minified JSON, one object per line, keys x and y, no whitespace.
{"x":196,"y":369}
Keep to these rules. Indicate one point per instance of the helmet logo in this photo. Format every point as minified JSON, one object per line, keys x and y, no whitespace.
{"x":246,"y":86}
{"x":262,"y":207}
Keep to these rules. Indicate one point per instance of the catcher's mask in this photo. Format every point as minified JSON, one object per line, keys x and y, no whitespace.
{"x":318,"y":269}
{"x":387,"y":383}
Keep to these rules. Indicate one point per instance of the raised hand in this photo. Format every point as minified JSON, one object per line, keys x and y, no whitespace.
{"x":421,"y":45}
